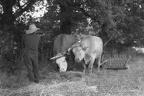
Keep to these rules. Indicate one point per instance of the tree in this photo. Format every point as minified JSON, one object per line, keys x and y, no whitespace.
{"x":130,"y":21}
{"x":12,"y":28}
{"x":67,"y":14}
{"x":13,"y":9}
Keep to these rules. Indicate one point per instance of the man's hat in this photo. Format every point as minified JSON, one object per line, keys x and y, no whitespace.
{"x":32,"y":29}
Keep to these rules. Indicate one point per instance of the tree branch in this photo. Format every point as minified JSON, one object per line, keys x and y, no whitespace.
{"x":22,"y":10}
{"x":20,"y":7}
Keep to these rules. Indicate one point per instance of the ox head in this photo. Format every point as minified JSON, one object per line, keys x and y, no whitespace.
{"x":79,"y":53}
{"x":61,"y":62}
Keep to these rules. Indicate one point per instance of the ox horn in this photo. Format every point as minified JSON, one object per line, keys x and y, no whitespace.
{"x":57,"y":56}
{"x":74,"y":45}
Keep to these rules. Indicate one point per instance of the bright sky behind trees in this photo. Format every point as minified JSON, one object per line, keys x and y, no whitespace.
{"x":37,"y":11}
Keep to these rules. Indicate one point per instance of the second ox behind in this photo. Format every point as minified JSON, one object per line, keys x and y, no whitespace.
{"x":61,"y":44}
{"x":89,"y":49}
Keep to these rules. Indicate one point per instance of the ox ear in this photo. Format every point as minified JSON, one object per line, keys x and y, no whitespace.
{"x":84,"y":48}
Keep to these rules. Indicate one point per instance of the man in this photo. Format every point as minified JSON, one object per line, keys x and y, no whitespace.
{"x":31,"y":42}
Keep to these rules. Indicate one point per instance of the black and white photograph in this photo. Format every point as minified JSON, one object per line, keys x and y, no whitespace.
{"x":71,"y":47}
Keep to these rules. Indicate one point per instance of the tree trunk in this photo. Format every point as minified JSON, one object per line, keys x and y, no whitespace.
{"x":103,"y":34}
{"x":66,"y":23}
{"x":66,"y":27}
{"x":8,"y":18}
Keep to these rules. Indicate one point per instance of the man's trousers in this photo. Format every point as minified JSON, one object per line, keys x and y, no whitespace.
{"x":31,"y":62}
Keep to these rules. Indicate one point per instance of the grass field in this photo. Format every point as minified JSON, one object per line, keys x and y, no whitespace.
{"x":129,"y":82}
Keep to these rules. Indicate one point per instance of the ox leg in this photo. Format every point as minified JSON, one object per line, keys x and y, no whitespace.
{"x":74,"y":64}
{"x":84,"y":66}
{"x":74,"y":68}
{"x":90,"y":66}
{"x":73,"y":60}
{"x":99,"y":63}
{"x":84,"y":70}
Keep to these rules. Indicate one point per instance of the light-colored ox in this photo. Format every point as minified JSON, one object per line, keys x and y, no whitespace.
{"x":89,"y":49}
